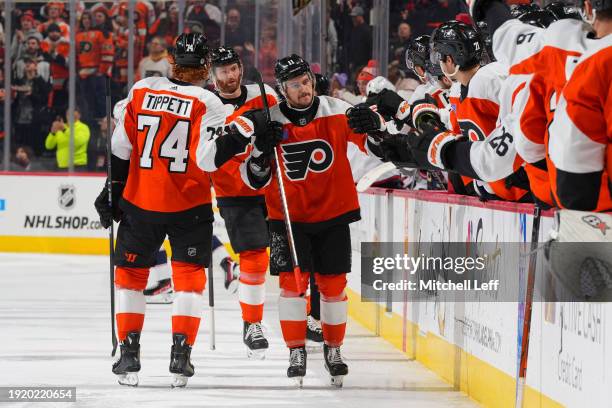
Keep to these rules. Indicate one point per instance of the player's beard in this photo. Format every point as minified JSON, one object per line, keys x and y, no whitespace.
{"x":228,"y":87}
{"x":304,"y":100}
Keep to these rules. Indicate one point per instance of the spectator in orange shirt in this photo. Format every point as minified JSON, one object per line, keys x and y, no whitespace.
{"x":95,"y":59}
{"x":53,"y":11}
{"x":56,"y":50}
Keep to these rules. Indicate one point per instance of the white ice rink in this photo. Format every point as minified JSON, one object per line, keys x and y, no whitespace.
{"x":54,"y":314}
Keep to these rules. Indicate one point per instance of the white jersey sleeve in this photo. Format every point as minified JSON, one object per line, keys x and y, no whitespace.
{"x":211,"y":126}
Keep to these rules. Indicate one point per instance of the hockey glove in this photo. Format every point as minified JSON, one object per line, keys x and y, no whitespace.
{"x":266,"y":141}
{"x":389,"y":104}
{"x":424,"y":110}
{"x":251,"y":123}
{"x":362,"y":119}
{"x":395,"y":149}
{"x":428,"y":146}
{"x":107,"y":213}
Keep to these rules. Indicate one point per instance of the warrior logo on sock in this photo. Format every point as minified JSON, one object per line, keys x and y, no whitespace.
{"x":314,"y":155}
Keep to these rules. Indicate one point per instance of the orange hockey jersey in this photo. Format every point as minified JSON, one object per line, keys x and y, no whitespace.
{"x":581,"y":134}
{"x":95,"y":53}
{"x":166,"y":133}
{"x":316,"y":171}
{"x":226,"y":180}
{"x":550,"y":55}
{"x":475,"y":113}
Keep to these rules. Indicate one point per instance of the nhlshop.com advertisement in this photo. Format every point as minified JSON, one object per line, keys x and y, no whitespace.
{"x":50,"y":206}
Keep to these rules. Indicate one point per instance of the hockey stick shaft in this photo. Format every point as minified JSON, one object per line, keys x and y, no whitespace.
{"x":111,"y":230}
{"x":533,"y":258}
{"x":297,"y":271}
{"x":211,"y":303}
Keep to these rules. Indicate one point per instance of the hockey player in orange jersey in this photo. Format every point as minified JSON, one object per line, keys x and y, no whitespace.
{"x":243,"y":208}
{"x":162,"y":151}
{"x":550,"y":54}
{"x":313,"y":154}
{"x":581,"y":132}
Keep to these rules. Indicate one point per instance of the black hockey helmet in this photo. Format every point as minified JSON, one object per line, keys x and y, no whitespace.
{"x":538,"y":18}
{"x":190,"y":50}
{"x":520,"y":9}
{"x":461,"y":41}
{"x":224,"y":56}
{"x":417,"y":53}
{"x":322,"y":87}
{"x":563,"y":11}
{"x":290,"y":67}
{"x":486,"y":39}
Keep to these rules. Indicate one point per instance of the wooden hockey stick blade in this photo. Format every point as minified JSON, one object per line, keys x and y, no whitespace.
{"x":373,"y":175}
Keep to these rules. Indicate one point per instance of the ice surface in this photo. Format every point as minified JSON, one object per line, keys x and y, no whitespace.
{"x":54,"y":314}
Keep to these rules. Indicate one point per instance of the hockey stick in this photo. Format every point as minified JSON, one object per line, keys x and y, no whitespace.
{"x":533,"y":258}
{"x":297,"y":271}
{"x":373,"y":175}
{"x":111,"y":230}
{"x":211,"y":303}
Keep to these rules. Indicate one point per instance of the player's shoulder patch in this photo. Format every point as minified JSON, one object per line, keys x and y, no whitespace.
{"x":330,"y":106}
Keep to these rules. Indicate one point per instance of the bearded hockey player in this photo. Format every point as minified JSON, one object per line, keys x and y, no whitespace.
{"x":242,"y":208}
{"x":161,"y":153}
{"x":313,"y":153}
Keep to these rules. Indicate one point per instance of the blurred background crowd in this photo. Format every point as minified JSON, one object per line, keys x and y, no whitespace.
{"x":362,"y":39}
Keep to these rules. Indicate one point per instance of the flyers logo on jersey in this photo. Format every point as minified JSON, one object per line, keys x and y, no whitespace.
{"x":300,"y":158}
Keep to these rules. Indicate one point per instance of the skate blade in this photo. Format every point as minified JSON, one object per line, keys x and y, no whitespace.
{"x":179,"y":381}
{"x":337,"y":381}
{"x":233,"y":286}
{"x":256,"y":354}
{"x":299,"y":381}
{"x":129,"y":379}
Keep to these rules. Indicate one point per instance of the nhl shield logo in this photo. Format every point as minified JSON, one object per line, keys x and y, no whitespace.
{"x":67,"y":196}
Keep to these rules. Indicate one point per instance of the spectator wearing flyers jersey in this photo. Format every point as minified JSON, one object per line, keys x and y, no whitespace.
{"x":156,"y":63}
{"x":53,"y":12}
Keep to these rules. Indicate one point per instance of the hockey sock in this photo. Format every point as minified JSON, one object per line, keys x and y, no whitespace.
{"x":251,"y":284}
{"x":292,"y":310}
{"x":333,"y":307}
{"x":129,"y":284}
{"x":189,"y":283}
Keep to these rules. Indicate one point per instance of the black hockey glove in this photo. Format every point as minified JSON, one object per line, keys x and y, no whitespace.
{"x":424,"y":110}
{"x":389,"y":104}
{"x":395,"y":149}
{"x":428,"y":146}
{"x":251,"y":123}
{"x":267,"y":140}
{"x":107,"y":213}
{"x":362,"y":119}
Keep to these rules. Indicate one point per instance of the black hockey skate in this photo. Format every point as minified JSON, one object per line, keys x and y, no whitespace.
{"x":297,"y":365}
{"x":314,"y":333}
{"x":180,"y":362}
{"x":161,"y":293}
{"x":231,"y":271}
{"x":254,"y":339}
{"x":128,"y":365}
{"x":334,"y":365}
